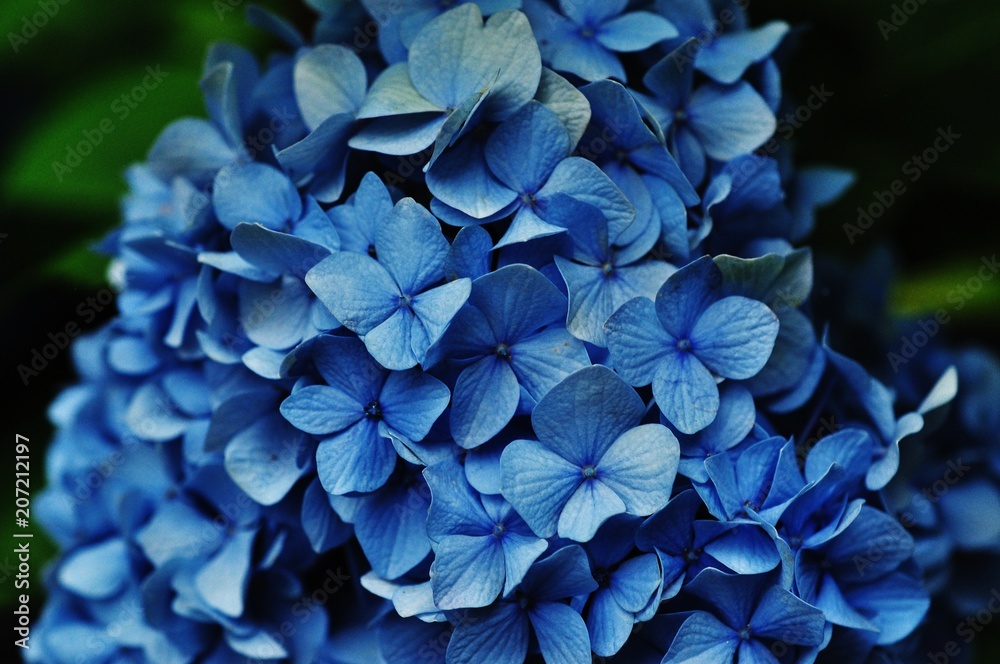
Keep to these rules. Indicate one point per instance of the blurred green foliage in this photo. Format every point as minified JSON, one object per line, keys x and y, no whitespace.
{"x":939,"y":69}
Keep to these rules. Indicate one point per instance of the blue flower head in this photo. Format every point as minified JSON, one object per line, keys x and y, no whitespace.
{"x":396,"y":300}
{"x":686,"y":339}
{"x":361,"y":412}
{"x":592,"y":459}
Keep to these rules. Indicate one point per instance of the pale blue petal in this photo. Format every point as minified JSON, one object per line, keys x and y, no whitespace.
{"x":640,"y":467}
{"x":356,"y":460}
{"x":591,"y":504}
{"x":356,"y":289}
{"x":538,"y":483}
{"x":735,"y":336}
{"x":485,"y":400}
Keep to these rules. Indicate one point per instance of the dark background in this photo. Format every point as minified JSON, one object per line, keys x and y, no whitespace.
{"x":892,"y":91}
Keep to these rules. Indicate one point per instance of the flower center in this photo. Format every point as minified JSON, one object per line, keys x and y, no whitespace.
{"x":528,"y":200}
{"x":499,"y":530}
{"x":371,"y":251}
{"x":373,"y":411}
{"x":404,"y":301}
{"x":684,"y":345}
{"x":745,"y":633}
{"x":680,"y":115}
{"x":503,"y":351}
{"x":587,"y":32}
{"x":589,"y":472}
{"x":608,"y":268}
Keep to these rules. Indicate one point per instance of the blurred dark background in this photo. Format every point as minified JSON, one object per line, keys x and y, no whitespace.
{"x":894,"y":85}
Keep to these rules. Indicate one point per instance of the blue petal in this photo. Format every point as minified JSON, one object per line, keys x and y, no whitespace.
{"x":455,"y":506}
{"x":686,"y":295}
{"x":727,"y":57}
{"x":498,"y":634}
{"x":608,"y":623}
{"x":731,"y":121}
{"x":266,"y":459}
{"x":543,"y":360}
{"x":222,"y":583}
{"x":399,"y":135}
{"x":392,"y":341}
{"x":686,"y":392}
{"x":357,"y":459}
{"x":503,"y":50}
{"x":320,"y":523}
{"x":640,"y":467}
{"x":591,"y":504}
{"x":462,"y":180}
{"x":275,"y":252}
{"x":562,"y":97}
{"x":517,"y":301}
{"x":735,"y":336}
{"x":411,"y":247}
{"x":582,"y":179}
{"x":190,"y":148}
{"x":520,"y":552}
{"x":255,"y":194}
{"x":356,"y":289}
{"x":329,"y":80}
{"x":391,"y":528}
{"x":562,"y":634}
{"x":566,"y":573}
{"x":468,"y":572}
{"x":97,"y":571}
{"x":485,"y":400}
{"x":276,"y":316}
{"x":782,"y":616}
{"x":538,"y":483}
{"x":393,"y":93}
{"x":320,"y":159}
{"x":321,"y":409}
{"x":635,"y":31}
{"x":637,"y":341}
{"x":469,"y":256}
{"x":702,"y":638}
{"x":635,"y":582}
{"x":344,"y":364}
{"x":524,"y":150}
{"x":585,"y":414}
{"x":411,"y":402}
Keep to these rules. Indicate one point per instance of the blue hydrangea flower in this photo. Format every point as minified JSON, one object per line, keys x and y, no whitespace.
{"x":395,"y":301}
{"x":748,"y":617}
{"x":687,"y":338}
{"x":628,"y":585}
{"x":501,"y":632}
{"x":714,"y":121}
{"x":482,"y":548}
{"x":512,"y":346}
{"x":605,"y":271}
{"x":591,"y":461}
{"x":361,"y":411}
{"x":495,"y":69}
{"x":584,"y":35}
{"x":724,"y":53}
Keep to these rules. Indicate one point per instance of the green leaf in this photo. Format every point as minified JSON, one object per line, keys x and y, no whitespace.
{"x":968,"y":290}
{"x":76,"y":156}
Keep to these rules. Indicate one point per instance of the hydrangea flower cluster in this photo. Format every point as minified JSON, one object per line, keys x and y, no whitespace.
{"x":502,"y":350}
